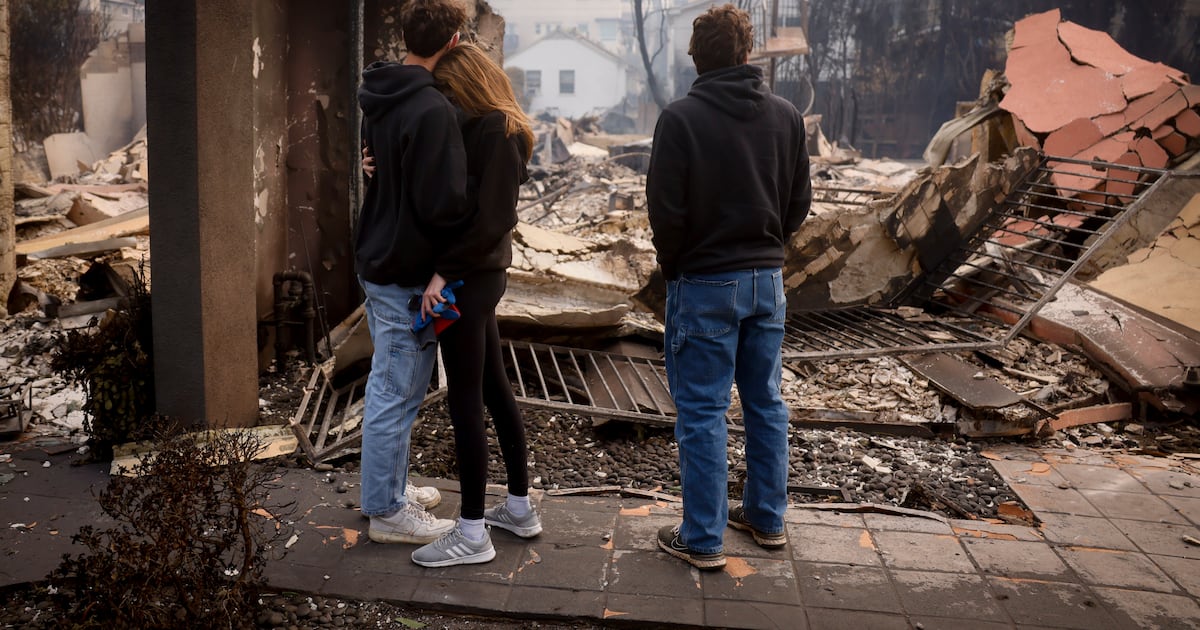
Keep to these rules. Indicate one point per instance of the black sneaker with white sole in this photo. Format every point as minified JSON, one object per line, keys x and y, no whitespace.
{"x":670,"y":542}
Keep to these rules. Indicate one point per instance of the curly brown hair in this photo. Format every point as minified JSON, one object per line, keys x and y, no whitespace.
{"x":428,"y":25}
{"x":722,"y":37}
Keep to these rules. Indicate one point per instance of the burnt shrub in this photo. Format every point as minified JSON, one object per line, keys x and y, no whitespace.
{"x":114,"y":362}
{"x":193,"y":532}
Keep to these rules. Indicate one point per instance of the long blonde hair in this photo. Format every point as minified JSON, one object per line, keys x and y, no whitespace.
{"x":478,"y":85}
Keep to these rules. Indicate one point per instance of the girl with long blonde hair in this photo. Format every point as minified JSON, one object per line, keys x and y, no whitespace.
{"x":498,"y":141}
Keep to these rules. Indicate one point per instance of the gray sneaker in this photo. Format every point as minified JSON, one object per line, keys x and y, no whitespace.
{"x":526,"y":526}
{"x":412,"y":524}
{"x":455,"y":548}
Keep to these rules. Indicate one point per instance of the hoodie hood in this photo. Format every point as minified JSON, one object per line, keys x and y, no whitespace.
{"x":386,"y":84}
{"x":738,"y":90}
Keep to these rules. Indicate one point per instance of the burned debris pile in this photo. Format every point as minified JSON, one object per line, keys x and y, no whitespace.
{"x":965,"y":297}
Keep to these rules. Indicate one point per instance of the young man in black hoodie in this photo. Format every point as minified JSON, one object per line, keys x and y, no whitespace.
{"x":727,"y":187}
{"x":414,"y":203}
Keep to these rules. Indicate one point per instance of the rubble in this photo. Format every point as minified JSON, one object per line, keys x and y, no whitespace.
{"x":1075,"y":93}
{"x":1162,"y":276}
{"x":584,"y":265}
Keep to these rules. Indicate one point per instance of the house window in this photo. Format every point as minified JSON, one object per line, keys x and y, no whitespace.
{"x":608,"y":30}
{"x":566,"y":81}
{"x":533,"y":82}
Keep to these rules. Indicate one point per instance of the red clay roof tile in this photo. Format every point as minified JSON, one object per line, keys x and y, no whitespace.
{"x":1143,"y":105}
{"x":1073,"y":137}
{"x":1145,"y":79}
{"x":1034,"y":29}
{"x":1152,"y":155}
{"x":1188,"y":123}
{"x":1097,"y":48}
{"x":1162,"y":113}
{"x":1173,"y":143}
{"x":1123,"y":182}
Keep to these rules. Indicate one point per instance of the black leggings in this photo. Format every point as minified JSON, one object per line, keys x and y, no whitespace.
{"x":476,"y":377}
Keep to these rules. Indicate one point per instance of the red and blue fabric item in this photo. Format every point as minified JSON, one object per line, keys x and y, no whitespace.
{"x":446,"y":313}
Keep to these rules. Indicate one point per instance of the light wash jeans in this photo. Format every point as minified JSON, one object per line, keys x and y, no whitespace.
{"x":723,"y":328}
{"x":400,"y":370}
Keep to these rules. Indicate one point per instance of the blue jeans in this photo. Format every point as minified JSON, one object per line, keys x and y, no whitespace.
{"x":723,"y":328}
{"x":400,"y":371}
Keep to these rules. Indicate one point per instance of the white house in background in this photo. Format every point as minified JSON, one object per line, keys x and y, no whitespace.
{"x":606,"y":22}
{"x":120,"y":13}
{"x":570,"y":76}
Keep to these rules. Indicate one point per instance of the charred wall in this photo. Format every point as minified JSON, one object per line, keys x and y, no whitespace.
{"x":8,"y":263}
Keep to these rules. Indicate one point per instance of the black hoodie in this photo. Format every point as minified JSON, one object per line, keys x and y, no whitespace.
{"x":496,"y":167}
{"x":728,"y":181}
{"x":417,"y":201}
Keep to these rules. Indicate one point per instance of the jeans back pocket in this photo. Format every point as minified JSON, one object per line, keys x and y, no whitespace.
{"x":707,"y":308}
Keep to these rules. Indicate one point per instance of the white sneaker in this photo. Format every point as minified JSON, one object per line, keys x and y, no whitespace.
{"x":455,"y":548}
{"x":412,"y":524}
{"x":427,"y":496}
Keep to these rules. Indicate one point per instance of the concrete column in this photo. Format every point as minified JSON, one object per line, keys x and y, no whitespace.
{"x":8,"y":236}
{"x":200,"y":98}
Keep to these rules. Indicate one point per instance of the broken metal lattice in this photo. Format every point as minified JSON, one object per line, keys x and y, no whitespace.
{"x":1006,"y":269}
{"x":328,"y":423}
{"x":599,"y":383}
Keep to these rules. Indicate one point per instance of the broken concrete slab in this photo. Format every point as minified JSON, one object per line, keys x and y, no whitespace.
{"x":90,"y":208}
{"x":51,"y":207}
{"x":866,"y":254}
{"x":84,"y":250}
{"x":1162,"y":278}
{"x":1173,"y":199}
{"x":64,"y":152}
{"x":1144,"y":356}
{"x":128,"y":224}
{"x":560,"y":303}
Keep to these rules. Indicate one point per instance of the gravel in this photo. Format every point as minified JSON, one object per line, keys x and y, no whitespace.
{"x":567,"y":452}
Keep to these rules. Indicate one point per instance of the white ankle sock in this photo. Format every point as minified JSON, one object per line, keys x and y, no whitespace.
{"x":519,"y":506}
{"x":472,"y":528}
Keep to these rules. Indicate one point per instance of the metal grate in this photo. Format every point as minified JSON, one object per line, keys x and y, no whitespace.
{"x":833,"y":195}
{"x":598,"y":383}
{"x":1032,"y":244}
{"x":328,"y":423}
{"x":1006,"y":270}
{"x":862,"y":332}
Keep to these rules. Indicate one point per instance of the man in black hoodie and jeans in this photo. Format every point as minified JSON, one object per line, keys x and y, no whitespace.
{"x":727,"y":187}
{"x":415,"y":202}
